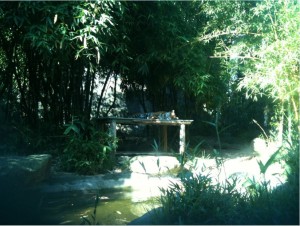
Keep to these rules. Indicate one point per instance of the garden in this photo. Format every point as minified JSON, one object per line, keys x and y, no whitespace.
{"x":232,"y":67}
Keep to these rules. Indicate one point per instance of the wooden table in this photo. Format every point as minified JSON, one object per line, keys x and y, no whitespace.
{"x":112,"y":121}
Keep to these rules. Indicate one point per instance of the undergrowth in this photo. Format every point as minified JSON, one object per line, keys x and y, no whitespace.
{"x":88,"y":150}
{"x":200,"y":201}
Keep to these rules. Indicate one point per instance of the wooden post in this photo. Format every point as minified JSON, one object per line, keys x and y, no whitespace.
{"x":113,"y":133}
{"x":112,"y":129}
{"x":182,"y":139}
{"x":165,"y":137}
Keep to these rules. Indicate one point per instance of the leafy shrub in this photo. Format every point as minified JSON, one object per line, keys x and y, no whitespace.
{"x":88,"y":151}
{"x":201,"y":202}
{"x":198,"y":201}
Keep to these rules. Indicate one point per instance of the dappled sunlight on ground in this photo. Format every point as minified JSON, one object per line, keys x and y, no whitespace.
{"x":240,"y":168}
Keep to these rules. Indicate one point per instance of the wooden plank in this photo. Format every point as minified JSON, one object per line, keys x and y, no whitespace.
{"x":134,"y":121}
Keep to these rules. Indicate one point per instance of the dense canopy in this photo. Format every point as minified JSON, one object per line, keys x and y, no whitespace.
{"x":59,"y":60}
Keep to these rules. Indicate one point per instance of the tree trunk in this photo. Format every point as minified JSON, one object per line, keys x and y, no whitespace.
{"x":91,"y":94}
{"x":87,"y":88}
{"x":290,"y":122}
{"x":280,"y":126}
{"x":115,"y":96}
{"x":102,"y":93}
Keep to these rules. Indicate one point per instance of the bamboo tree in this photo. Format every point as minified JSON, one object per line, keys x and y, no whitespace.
{"x":263,"y":38}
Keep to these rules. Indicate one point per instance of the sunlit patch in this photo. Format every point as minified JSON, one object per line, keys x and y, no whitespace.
{"x":104,"y":198}
{"x":240,"y":169}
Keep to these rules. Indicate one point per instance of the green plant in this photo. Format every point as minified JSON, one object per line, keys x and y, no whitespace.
{"x":88,"y":151}
{"x":143,"y":166}
{"x":279,"y":205}
{"x":124,"y":163}
{"x":291,"y":158}
{"x":263,"y":167}
{"x":188,"y":156}
{"x":93,"y":220}
{"x":218,"y":130}
{"x":155,"y":146}
{"x":196,"y":200}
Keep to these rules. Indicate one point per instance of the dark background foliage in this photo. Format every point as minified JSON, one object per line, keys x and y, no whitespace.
{"x":58,"y":60}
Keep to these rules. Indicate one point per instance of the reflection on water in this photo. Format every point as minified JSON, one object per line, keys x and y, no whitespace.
{"x":114,"y":207}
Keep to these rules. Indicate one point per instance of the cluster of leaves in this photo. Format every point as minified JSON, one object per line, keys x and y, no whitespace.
{"x":53,"y":55}
{"x":200,"y":201}
{"x":163,"y":55}
{"x":88,"y":151}
{"x":52,"y":27}
{"x":260,"y":44}
{"x":50,"y":58}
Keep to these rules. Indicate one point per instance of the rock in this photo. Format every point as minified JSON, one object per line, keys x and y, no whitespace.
{"x":264,"y":149}
{"x":259,"y":146}
{"x":20,"y":200}
{"x":153,"y":164}
{"x":17,"y":172}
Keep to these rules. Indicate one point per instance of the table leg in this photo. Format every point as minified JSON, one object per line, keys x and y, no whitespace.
{"x":113,"y":133}
{"x":112,"y":129}
{"x":182,"y":139}
{"x":165,"y":138}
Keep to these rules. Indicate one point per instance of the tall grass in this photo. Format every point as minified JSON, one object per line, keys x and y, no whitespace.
{"x":92,"y":219}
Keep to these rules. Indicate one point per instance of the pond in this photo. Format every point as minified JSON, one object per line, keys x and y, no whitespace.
{"x":114,"y":206}
{"x":66,"y":198}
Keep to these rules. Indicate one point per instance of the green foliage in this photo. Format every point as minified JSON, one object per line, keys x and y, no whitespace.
{"x":279,"y":205}
{"x":164,"y":55}
{"x":50,"y":55}
{"x":92,"y":220}
{"x":260,"y":44}
{"x":88,"y":151}
{"x":291,"y":158}
{"x":190,"y":55}
{"x":199,"y":201}
{"x":155,"y":146}
{"x":263,"y":167}
{"x":189,"y":154}
{"x":53,"y":26}
{"x":53,"y":53}
{"x":143,"y":166}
